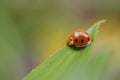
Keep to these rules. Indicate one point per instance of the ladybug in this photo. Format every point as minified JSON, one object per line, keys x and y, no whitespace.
{"x":79,"y":38}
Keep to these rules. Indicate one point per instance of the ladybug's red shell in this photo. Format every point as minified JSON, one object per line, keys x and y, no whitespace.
{"x":79,"y":38}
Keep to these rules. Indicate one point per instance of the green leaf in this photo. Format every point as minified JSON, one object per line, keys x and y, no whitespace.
{"x":65,"y":62}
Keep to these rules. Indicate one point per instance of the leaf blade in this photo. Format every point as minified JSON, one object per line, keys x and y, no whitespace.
{"x":55,"y":66}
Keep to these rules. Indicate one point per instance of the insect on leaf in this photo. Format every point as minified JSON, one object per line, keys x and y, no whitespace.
{"x":58,"y":65}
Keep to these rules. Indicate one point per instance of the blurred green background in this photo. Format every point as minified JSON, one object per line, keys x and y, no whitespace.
{"x":31,"y":30}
